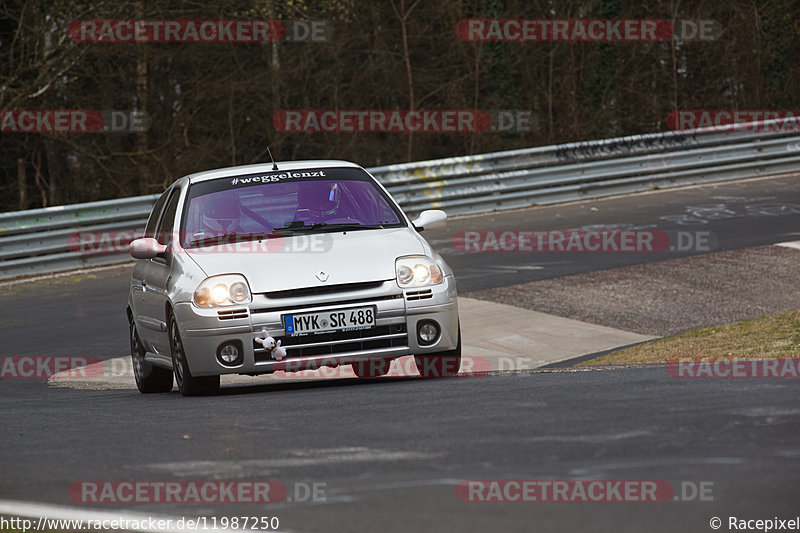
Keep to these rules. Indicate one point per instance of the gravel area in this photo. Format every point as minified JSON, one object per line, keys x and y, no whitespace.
{"x":668,"y":297}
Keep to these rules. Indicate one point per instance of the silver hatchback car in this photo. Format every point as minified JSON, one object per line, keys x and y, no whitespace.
{"x":290,"y":266}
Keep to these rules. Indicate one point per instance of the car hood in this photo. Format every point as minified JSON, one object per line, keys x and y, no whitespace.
{"x":351,"y":257}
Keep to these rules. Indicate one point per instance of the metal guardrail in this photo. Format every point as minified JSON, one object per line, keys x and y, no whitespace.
{"x":43,"y":240}
{"x":576,"y":171}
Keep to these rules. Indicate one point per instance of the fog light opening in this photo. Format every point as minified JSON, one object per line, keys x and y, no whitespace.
{"x":230,"y":354}
{"x":427,"y":332}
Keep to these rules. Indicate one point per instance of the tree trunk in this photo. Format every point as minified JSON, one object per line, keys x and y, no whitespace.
{"x":140,"y":184}
{"x":403,"y":16}
{"x":21,"y":185}
{"x":53,"y":172}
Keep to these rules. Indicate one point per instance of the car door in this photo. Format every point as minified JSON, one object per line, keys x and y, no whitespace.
{"x":145,"y":323}
{"x":156,"y":276}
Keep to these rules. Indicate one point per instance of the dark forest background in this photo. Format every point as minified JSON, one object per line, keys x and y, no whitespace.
{"x":212,"y":104}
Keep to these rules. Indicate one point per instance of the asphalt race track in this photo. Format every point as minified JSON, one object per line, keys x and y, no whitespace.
{"x":732,"y":215}
{"x":389,"y":454}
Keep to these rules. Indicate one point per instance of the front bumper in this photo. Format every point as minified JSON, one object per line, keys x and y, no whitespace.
{"x":203,"y":331}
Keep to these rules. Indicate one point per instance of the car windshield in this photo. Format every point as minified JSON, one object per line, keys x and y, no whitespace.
{"x":276,"y":203}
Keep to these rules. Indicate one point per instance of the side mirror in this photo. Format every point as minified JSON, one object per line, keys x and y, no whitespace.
{"x":146,"y":248}
{"x":430,"y":219}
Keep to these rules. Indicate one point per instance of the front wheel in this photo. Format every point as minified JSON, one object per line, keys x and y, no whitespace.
{"x":187,"y":384}
{"x":149,"y":378}
{"x":440,"y":365}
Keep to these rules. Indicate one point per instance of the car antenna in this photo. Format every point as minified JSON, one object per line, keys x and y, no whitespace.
{"x":274,"y":164}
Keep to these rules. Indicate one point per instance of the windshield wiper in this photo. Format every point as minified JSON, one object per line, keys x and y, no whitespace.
{"x":296,"y":227}
{"x":345,"y":225}
{"x":232,"y":238}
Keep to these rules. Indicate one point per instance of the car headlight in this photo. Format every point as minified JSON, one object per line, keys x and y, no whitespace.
{"x":417,"y":271}
{"x":222,"y":291}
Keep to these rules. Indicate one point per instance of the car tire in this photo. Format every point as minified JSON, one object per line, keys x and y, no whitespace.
{"x":187,"y":384}
{"x":372,"y":368}
{"x":149,"y":378}
{"x":443,"y":365}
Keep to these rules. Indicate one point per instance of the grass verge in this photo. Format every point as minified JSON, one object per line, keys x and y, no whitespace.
{"x":773,"y":336}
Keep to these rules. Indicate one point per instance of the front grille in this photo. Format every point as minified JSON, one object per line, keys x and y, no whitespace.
{"x":376,"y":338}
{"x":230,"y":314}
{"x":343,"y":302}
{"x":419,"y":295}
{"x":324,"y":289}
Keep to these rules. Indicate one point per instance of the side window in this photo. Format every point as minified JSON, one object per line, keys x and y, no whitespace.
{"x":150,"y":230}
{"x":165,"y":228}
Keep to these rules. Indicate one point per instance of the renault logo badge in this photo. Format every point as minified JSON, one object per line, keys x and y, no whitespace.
{"x":322,"y":276}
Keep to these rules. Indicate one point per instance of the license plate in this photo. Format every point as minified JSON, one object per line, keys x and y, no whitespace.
{"x":326,"y":321}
